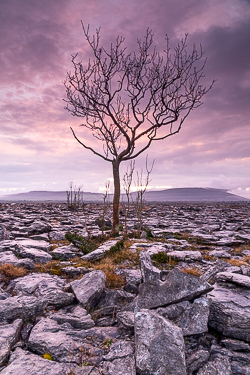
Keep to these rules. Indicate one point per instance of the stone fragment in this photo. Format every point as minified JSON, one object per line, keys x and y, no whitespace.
{"x":75,"y":315}
{"x":236,"y":345}
{"x":230,"y":312}
{"x":21,"y":307}
{"x":34,"y":244}
{"x":219,"y":266}
{"x":41,"y":285}
{"x":89,"y":288}
{"x":218,"y":366}
{"x":196,"y":361}
{"x":25,"y":363}
{"x":234,"y":278}
{"x":127,"y":318}
{"x":100,"y":251}
{"x":116,"y":297}
{"x":9,"y":334}
{"x":75,"y":271}
{"x":177,"y":287}
{"x":185,"y":256}
{"x":120,"y":349}
{"x":148,"y":271}
{"x":9,"y":258}
{"x":159,"y":345}
{"x":192,"y":318}
{"x":119,"y":366}
{"x":64,"y":252}
{"x":38,"y":256}
{"x":4,"y":235}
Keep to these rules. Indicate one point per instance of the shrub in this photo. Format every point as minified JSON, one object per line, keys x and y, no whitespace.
{"x":86,"y":245}
{"x":117,"y":247}
{"x":160,"y":257}
{"x":9,"y":272}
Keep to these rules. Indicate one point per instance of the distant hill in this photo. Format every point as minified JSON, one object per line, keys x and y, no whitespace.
{"x":169,"y":195}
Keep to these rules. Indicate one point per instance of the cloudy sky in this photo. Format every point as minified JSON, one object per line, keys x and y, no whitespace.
{"x":37,"y":39}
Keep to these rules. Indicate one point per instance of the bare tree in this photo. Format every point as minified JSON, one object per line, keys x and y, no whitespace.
{"x":129,"y":100}
{"x":141,"y":187}
{"x":127,"y":181}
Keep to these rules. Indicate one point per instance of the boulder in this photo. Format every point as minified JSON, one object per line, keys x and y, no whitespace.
{"x":21,"y":307}
{"x":100,"y":251}
{"x":192,"y":318}
{"x":24,"y":363}
{"x":127,"y":318}
{"x":4,"y":235}
{"x":177,"y":287}
{"x":75,"y":315}
{"x":50,"y":288}
{"x":89,"y":288}
{"x":9,"y":258}
{"x":38,"y":256}
{"x":159,"y":345}
{"x":230,"y":312}
{"x":185,"y":256}
{"x":218,"y":366}
{"x":120,"y":360}
{"x":148,"y":271}
{"x":9,"y":335}
{"x":197,"y":360}
{"x":234,"y":278}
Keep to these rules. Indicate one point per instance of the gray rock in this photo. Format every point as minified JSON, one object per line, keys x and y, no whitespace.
{"x":65,"y":252}
{"x":9,"y":258}
{"x":21,"y":307}
{"x":38,"y":256}
{"x":127,"y":318}
{"x":192,"y":318}
{"x":4,"y":235}
{"x":25,"y":363}
{"x":210,"y":274}
{"x":230,"y":312}
{"x":236,"y":345}
{"x":9,"y":334}
{"x":115,"y":298}
{"x":219,"y":366}
{"x":159,"y":345}
{"x":75,"y":315}
{"x":89,"y":288}
{"x":119,"y":366}
{"x":41,"y":285}
{"x":120,"y":349}
{"x":75,"y":271}
{"x":148,"y":271}
{"x":234,"y":278}
{"x":197,"y":360}
{"x":177,"y":287}
{"x":100,"y":251}
{"x":3,"y":294}
{"x":186,"y":256}
{"x":34,"y":244}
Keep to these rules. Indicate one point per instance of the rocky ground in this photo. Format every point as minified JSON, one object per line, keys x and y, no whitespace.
{"x":175,"y":301}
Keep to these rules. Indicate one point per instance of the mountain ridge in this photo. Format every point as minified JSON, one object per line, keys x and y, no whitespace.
{"x":193,"y":194}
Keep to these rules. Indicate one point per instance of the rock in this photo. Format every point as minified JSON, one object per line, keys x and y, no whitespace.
{"x":3,"y":294}
{"x":64,"y":252}
{"x":197,"y":360}
{"x":75,"y":271}
{"x":148,"y":271}
{"x":234,"y":278}
{"x":219,"y":366}
{"x":127,"y":318}
{"x":49,"y":288}
{"x":105,"y":317}
{"x":9,"y":258}
{"x":21,"y":307}
{"x":219,"y":266}
{"x":186,"y":256}
{"x":9,"y":334}
{"x":24,"y":363}
{"x":100,"y":251}
{"x":34,"y":244}
{"x":75,"y":315}
{"x":89,"y":288}
{"x":177,"y":287}
{"x":120,"y":359}
{"x":120,"y":349}
{"x":230,"y":312}
{"x":159,"y":345}
{"x":235,"y":345}
{"x":116,"y":297}
{"x":4,"y":235}
{"x":38,"y":256}
{"x":192,"y":318}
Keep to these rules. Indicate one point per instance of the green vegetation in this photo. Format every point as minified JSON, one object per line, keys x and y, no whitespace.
{"x":86,"y":245}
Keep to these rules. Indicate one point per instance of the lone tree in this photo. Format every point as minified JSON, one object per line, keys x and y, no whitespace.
{"x":129,"y":100}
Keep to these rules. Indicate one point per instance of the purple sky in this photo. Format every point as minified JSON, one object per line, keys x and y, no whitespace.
{"x":37,"y":38}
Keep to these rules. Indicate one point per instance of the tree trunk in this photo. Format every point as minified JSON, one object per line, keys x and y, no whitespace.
{"x":116,"y":200}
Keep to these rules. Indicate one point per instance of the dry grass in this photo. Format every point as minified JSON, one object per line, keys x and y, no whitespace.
{"x":239,"y":249}
{"x":112,"y":280}
{"x":9,"y":272}
{"x":53,"y":267}
{"x":192,"y":271}
{"x":239,"y":262}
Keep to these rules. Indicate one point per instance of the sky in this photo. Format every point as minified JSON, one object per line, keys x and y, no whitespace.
{"x":37,"y":39}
